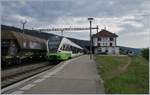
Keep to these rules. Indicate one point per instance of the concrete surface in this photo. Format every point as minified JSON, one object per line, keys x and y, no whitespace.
{"x":76,"y":76}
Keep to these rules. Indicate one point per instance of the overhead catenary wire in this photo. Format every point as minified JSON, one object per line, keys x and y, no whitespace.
{"x":65,"y":29}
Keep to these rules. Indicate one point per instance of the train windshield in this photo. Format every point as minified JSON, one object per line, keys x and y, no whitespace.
{"x":53,"y":43}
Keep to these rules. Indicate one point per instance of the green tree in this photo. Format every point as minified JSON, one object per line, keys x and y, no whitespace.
{"x":145,"y":53}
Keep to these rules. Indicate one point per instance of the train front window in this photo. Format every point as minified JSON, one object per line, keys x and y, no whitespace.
{"x":53,"y":44}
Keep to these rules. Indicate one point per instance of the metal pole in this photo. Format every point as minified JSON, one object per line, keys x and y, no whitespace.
{"x":97,"y":28}
{"x":90,"y":40}
{"x":23,"y":24}
{"x":90,"y":19}
{"x":23,"y":28}
{"x":97,"y":39}
{"x":62,"y":33}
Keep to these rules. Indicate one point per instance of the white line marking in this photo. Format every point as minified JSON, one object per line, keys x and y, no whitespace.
{"x":55,"y":71}
{"x":39,"y":80}
{"x":17,"y":92}
{"x":46,"y":76}
{"x":50,"y":74}
{"x":27,"y":87}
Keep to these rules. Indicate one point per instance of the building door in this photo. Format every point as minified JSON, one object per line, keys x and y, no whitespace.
{"x":106,"y":51}
{"x":110,"y":44}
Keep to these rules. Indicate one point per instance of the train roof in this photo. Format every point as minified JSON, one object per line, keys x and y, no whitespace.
{"x":67,"y":41}
{"x":30,"y":41}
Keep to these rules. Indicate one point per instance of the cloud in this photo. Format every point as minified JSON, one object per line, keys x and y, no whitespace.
{"x":22,"y":18}
{"x":124,"y":17}
{"x":134,"y":24}
{"x":23,"y":2}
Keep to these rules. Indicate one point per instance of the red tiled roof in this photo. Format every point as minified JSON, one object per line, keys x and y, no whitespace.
{"x":105,"y":33}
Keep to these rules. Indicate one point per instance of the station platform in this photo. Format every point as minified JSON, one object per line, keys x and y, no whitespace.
{"x":75,"y":76}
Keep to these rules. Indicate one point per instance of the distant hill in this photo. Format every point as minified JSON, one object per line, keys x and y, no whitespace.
{"x":82,"y":43}
{"x":43,"y":35}
{"x":26,"y":31}
{"x":124,"y":50}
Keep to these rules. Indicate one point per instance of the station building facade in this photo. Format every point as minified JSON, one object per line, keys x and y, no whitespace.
{"x":105,"y":42}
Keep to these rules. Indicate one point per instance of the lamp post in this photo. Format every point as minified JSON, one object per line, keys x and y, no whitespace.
{"x":23,"y":24}
{"x":90,"y":19}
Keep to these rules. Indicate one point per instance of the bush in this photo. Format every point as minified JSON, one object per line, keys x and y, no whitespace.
{"x":145,"y":53}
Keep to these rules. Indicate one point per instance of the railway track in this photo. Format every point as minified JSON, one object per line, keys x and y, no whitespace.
{"x":8,"y":77}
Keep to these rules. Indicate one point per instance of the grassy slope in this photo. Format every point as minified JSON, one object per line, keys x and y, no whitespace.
{"x":134,"y":79}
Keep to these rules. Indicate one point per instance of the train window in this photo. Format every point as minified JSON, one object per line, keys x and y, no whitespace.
{"x":74,"y":49}
{"x":64,"y":47}
{"x":53,"y":43}
{"x":53,"y":46}
{"x":67,"y":47}
{"x":61,"y":48}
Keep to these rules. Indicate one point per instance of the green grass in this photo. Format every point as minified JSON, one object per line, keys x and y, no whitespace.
{"x":134,"y":79}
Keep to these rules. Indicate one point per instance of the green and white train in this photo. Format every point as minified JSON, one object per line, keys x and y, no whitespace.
{"x":61,"y":48}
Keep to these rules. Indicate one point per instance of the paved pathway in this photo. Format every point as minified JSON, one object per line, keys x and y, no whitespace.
{"x":76,"y":76}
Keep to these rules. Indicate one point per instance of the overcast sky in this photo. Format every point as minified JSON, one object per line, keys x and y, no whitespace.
{"x":129,"y":19}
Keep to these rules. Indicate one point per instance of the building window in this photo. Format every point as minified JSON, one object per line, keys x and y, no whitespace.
{"x":110,"y":44}
{"x":107,"y":44}
{"x":99,"y":51}
{"x":99,"y":44}
{"x":99,"y":39}
{"x":111,"y":39}
{"x":106,"y":51}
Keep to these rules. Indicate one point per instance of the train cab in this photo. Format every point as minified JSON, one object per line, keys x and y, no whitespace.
{"x":61,"y":48}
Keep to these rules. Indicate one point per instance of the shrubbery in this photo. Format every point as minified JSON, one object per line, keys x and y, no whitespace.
{"x":145,"y":53}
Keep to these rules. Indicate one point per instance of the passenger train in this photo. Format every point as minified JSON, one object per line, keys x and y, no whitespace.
{"x":61,"y":48}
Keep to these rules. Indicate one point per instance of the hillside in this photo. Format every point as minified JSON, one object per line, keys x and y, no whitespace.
{"x":82,"y":43}
{"x":124,"y":50}
{"x":43,"y":35}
